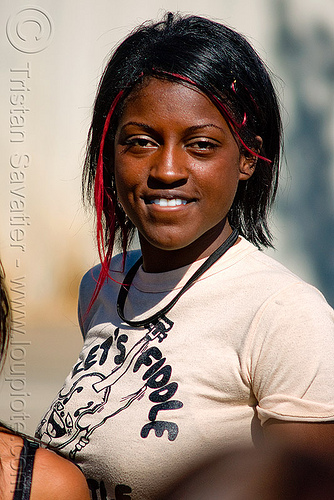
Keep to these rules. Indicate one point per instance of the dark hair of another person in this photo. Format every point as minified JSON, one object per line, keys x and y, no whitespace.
{"x":5,"y":326}
{"x":4,"y":318}
{"x":224,"y":66}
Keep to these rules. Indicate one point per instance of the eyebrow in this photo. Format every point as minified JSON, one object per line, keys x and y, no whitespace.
{"x":191,"y":129}
{"x":137,"y":124}
{"x":194,"y":128}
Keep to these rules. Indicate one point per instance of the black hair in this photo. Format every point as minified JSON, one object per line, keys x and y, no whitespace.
{"x":222,"y":64}
{"x":5,"y":318}
{"x":5,"y":329}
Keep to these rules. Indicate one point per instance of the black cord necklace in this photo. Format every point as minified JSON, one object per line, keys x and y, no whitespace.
{"x":123,"y":293}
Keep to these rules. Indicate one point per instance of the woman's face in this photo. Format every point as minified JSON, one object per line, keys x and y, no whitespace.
{"x":177,"y":167}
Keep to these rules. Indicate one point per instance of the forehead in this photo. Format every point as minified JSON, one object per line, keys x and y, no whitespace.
{"x":164,"y":100}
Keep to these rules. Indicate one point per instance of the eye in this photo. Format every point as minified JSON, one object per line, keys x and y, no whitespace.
{"x":202,"y":146}
{"x":139,"y":143}
{"x":205,"y":145}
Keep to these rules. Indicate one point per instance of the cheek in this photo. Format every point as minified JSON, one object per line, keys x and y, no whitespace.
{"x":122,"y":178}
{"x":126,"y":181}
{"x":223,"y":182}
{"x":127,"y":173}
{"x":119,"y":182}
{"x":123,"y":194}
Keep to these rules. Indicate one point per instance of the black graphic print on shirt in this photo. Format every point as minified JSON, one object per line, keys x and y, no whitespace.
{"x":94,"y":394}
{"x":98,"y":491}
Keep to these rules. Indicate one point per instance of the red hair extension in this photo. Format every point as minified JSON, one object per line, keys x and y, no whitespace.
{"x":186,"y":79}
{"x":244,"y":120}
{"x":233,"y":124}
{"x":99,"y":191}
{"x":99,"y":199}
{"x":244,"y":86}
{"x":100,"y":195}
{"x":250,"y":95}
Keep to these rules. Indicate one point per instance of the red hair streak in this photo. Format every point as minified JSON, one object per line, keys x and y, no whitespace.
{"x":229,"y":118}
{"x":100,"y":197}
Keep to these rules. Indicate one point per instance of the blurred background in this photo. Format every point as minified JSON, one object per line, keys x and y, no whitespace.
{"x":52,"y":56}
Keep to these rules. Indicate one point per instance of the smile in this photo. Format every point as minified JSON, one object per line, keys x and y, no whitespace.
{"x":164,"y":202}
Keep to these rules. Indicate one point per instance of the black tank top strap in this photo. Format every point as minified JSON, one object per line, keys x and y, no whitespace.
{"x":24,"y":473}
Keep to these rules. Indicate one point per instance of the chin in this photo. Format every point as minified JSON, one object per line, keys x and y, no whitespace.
{"x":169,"y":241}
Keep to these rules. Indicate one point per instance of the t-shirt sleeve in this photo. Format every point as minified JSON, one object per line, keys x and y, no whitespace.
{"x":291,"y":361}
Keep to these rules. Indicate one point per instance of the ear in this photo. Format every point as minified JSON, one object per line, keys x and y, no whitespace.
{"x":248,"y":161}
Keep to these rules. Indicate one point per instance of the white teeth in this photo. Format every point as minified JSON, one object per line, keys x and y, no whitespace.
{"x":163,"y":202}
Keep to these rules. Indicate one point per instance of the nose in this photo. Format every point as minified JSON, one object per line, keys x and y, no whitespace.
{"x":169,"y":166}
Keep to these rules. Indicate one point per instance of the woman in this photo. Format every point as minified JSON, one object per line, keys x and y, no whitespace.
{"x":26,"y":470}
{"x":197,"y":342}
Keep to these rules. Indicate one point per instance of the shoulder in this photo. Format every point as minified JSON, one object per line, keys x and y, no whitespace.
{"x":281,"y":304}
{"x":118,"y":268}
{"x":117,"y":272}
{"x":260,"y":262}
{"x":274,"y":282}
{"x":56,"y":478}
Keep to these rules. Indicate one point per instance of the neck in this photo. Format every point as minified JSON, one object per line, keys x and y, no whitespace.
{"x":156,"y":260}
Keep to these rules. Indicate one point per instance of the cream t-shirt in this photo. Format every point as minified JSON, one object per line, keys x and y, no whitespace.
{"x":249,"y":341}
